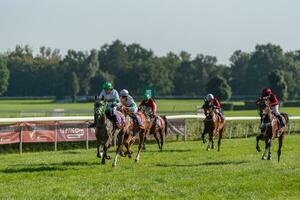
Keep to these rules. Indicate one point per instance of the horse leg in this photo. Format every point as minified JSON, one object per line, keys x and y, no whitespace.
{"x":157,"y":139}
{"x":220,"y":137}
{"x":142,"y":138}
{"x":162,"y":139}
{"x":269,"y":150}
{"x":209,"y":141}
{"x":98,"y":151}
{"x":119,"y":148}
{"x":212,"y":141}
{"x":280,"y":141}
{"x":264,"y":157}
{"x":203,"y":136}
{"x":257,"y":142}
{"x":104,"y":154}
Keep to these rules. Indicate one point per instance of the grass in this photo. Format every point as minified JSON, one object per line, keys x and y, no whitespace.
{"x":16,"y":108}
{"x":182,"y":171}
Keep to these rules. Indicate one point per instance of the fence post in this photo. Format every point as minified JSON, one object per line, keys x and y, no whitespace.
{"x":87,"y":135}
{"x":21,"y":139}
{"x":56,"y":135}
{"x":230,"y":132}
{"x":185,"y":130}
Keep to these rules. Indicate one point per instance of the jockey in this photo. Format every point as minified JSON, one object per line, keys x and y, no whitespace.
{"x":111,"y":96}
{"x":149,"y":106}
{"x":274,"y":103}
{"x":128,"y":103}
{"x":212,"y":101}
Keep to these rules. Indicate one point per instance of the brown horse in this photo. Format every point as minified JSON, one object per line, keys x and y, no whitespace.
{"x":214,"y":125}
{"x":138,"y":130}
{"x":159,"y":128}
{"x":270,"y":130}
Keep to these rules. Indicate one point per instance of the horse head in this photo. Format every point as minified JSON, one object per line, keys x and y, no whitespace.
{"x":99,"y":108}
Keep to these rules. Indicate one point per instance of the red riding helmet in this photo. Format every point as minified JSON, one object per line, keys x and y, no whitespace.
{"x":266,"y":92}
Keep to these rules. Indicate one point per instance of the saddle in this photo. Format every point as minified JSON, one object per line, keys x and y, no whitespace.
{"x":118,"y":120}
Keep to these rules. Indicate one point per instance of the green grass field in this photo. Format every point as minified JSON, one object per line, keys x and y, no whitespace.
{"x":182,"y":171}
{"x":14,"y":108}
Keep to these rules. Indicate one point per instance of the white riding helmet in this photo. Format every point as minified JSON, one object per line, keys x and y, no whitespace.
{"x":124,"y":93}
{"x":209,"y":97}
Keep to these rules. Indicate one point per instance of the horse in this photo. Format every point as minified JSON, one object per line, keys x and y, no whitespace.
{"x":214,"y":125}
{"x":270,"y":130}
{"x":159,"y":128}
{"x":141,"y":130}
{"x":105,"y":130}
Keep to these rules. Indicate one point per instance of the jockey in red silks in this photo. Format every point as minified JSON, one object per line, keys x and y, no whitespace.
{"x":274,"y":103}
{"x":211,"y":101}
{"x":148,"y":105}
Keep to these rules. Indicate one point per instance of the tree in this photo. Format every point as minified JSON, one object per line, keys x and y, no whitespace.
{"x":4,"y":76}
{"x":278,"y":84}
{"x":73,"y":86}
{"x":219,"y":87}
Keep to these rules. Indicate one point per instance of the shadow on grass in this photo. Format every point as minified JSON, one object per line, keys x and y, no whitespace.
{"x":32,"y":169}
{"x":48,"y":167}
{"x":204,"y":164}
{"x":169,"y":150}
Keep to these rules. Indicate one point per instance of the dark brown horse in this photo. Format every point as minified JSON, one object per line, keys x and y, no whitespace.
{"x":270,"y":130}
{"x":213,"y":125}
{"x":105,"y":130}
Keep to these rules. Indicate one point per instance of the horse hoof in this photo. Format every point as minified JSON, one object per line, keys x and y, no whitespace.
{"x":98,"y":156}
{"x":269,"y":158}
{"x":136,"y":160}
{"x":264,"y":158}
{"x":103,"y":162}
{"x":258,"y":149}
{"x":108,"y":158}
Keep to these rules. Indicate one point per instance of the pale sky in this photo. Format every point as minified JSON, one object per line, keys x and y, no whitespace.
{"x":213,"y":27}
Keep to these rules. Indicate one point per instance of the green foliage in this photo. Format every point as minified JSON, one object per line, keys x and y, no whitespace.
{"x":278,"y":84}
{"x":219,"y":87}
{"x":135,"y":68}
{"x":4,"y":76}
{"x":73,"y":86}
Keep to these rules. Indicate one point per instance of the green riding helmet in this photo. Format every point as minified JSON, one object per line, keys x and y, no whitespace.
{"x":107,"y":85}
{"x":146,"y":97}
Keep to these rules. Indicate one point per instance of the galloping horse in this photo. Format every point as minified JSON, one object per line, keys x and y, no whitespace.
{"x":214,"y":125}
{"x":140,"y":130}
{"x":105,"y":129}
{"x":270,"y":129}
{"x":159,"y":130}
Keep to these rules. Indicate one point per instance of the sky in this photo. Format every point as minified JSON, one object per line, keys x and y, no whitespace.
{"x":210,"y":27}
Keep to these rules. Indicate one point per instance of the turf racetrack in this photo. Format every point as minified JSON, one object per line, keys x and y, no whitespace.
{"x":182,"y":171}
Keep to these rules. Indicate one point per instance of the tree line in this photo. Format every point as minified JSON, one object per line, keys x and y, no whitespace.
{"x":49,"y":73}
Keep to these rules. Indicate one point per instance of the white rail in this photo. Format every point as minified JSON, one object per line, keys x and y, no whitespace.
{"x":89,"y":118}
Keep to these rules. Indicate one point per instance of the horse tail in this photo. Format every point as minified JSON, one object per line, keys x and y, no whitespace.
{"x":166,"y":124}
{"x":286,"y":117}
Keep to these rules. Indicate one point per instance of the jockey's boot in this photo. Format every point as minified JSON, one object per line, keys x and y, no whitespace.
{"x":156,"y":122}
{"x":92,"y":125}
{"x":281,"y":124}
{"x":135,"y":120}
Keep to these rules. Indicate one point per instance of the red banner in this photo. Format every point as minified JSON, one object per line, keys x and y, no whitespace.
{"x":46,"y":132}
{"x":9,"y":134}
